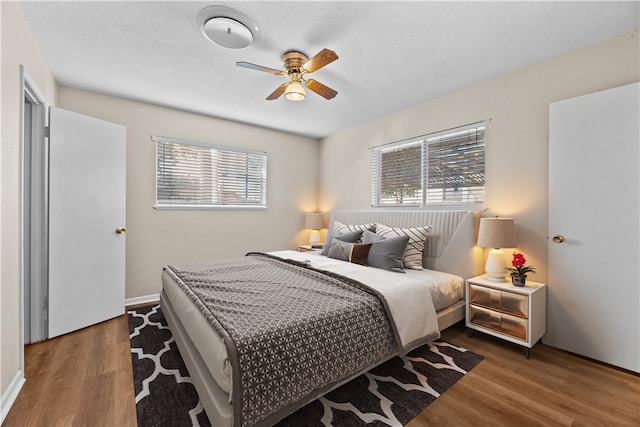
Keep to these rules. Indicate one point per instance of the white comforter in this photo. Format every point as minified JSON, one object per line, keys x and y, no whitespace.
{"x":409,"y":300}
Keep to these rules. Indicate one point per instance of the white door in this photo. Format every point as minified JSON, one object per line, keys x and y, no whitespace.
{"x":594,"y":187}
{"x":86,"y":210}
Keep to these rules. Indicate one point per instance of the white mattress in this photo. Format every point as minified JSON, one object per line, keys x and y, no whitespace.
{"x":445,"y":290}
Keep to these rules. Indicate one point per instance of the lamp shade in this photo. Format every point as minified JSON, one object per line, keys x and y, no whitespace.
{"x":295,"y":92}
{"x":314,"y":221}
{"x":497,"y":233}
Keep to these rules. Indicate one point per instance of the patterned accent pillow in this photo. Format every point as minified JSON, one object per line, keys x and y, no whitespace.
{"x":352,"y":236}
{"x":386,"y":253}
{"x":345,"y":228}
{"x":356,"y":253}
{"x":415,"y":248}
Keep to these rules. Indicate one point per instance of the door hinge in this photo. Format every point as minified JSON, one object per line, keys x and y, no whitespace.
{"x":46,"y":131}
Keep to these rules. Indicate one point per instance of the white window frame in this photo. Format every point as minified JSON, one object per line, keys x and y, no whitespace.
{"x":419,"y":195}
{"x":256,"y":178}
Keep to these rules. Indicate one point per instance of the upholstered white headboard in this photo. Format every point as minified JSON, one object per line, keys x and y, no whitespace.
{"x":451,"y":245}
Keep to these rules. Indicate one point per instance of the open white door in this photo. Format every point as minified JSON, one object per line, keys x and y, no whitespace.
{"x":87,"y":159}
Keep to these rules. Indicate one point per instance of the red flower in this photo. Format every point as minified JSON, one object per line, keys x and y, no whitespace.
{"x":518,"y":268}
{"x":518,"y":260}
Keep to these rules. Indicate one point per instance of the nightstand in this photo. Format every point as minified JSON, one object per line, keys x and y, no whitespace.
{"x":513,"y":313}
{"x":307,"y":248}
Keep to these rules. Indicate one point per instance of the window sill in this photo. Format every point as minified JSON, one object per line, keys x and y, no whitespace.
{"x":209,"y":208}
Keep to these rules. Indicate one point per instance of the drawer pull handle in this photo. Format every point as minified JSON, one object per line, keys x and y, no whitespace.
{"x":558,"y":238}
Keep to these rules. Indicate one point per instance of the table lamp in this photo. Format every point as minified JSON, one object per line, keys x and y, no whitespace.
{"x":314,"y":221}
{"x":496,"y":233}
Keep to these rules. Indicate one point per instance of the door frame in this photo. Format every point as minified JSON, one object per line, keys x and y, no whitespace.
{"x":33,"y":215}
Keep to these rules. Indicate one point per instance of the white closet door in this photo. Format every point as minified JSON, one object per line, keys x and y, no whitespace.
{"x":86,"y":206}
{"x":594,"y":188}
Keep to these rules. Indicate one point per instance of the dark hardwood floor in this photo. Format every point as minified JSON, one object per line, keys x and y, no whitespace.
{"x":84,"y":379}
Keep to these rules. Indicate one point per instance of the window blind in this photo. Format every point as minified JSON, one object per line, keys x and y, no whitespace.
{"x":193,"y":174}
{"x":443,"y":168}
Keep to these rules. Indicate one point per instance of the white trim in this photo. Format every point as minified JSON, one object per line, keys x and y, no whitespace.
{"x":11,"y":394}
{"x":141,"y":300}
{"x":28,"y":89}
{"x":178,"y":141}
{"x":211,"y":207}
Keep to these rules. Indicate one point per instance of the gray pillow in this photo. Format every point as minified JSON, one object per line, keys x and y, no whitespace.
{"x":351,"y":237}
{"x":386,"y":253}
{"x":356,"y":253}
{"x":369,"y":237}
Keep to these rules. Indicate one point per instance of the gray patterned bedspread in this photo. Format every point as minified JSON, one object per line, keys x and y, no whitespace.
{"x":291,"y":331}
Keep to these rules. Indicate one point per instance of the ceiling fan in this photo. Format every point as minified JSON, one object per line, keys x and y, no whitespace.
{"x":296,"y":66}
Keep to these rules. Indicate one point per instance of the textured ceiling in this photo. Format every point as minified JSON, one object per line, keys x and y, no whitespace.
{"x":392,"y":54}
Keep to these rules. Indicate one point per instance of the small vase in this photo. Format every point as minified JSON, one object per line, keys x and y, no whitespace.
{"x":518,"y":280}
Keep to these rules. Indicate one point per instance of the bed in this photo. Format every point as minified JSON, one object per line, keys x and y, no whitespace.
{"x":372,"y":314}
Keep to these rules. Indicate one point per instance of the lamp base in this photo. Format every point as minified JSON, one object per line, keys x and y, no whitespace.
{"x":495,"y":267}
{"x":314,"y":237}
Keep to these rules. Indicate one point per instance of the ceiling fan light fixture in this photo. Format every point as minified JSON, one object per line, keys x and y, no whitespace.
{"x":296,"y":65}
{"x":295,"y":92}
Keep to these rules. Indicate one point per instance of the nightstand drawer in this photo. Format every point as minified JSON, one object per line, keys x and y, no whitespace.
{"x":502,"y":301}
{"x":500,"y":322}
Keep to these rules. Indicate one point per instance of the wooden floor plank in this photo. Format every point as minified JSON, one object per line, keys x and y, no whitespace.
{"x":85,"y":379}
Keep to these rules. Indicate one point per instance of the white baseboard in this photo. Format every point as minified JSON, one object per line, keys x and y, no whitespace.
{"x":10,"y":395}
{"x":141,"y":300}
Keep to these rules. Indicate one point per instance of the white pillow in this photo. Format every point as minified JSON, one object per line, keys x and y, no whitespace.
{"x":346,"y":228}
{"x":415,"y":248}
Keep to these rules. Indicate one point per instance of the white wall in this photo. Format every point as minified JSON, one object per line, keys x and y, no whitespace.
{"x":18,"y":47}
{"x":515,"y":108}
{"x":158,"y":237}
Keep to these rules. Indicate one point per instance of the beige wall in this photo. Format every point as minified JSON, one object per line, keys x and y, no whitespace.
{"x":515,"y":108}
{"x":18,"y":47}
{"x":159,"y":237}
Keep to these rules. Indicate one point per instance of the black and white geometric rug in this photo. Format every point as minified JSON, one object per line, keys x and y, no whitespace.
{"x":388,"y":395}
{"x":164,"y":393}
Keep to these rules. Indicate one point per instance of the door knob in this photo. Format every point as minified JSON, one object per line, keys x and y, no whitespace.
{"x":558,"y":238}
{"x":120,"y":230}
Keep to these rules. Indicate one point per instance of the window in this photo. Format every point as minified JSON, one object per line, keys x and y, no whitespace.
{"x":193,"y":175}
{"x":444,"y":168}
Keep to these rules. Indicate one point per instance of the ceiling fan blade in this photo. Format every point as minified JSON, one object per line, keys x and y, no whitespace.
{"x":322,"y":90}
{"x":322,"y":58}
{"x":251,"y":66}
{"x":279,"y":91}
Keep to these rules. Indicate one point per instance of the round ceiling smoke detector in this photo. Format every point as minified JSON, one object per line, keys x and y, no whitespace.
{"x":228,"y":32}
{"x":227,"y":27}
